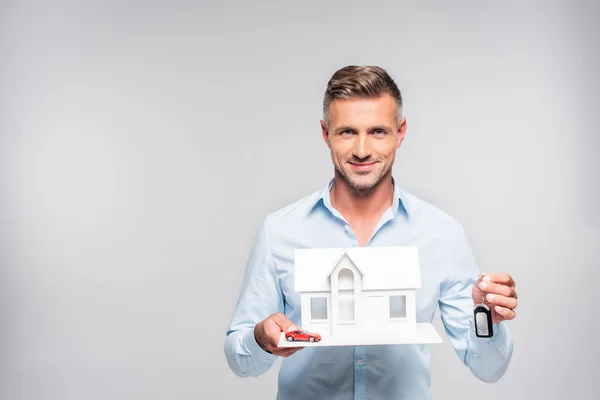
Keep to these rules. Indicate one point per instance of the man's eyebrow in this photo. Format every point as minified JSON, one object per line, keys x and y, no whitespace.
{"x":345,"y":128}
{"x":380,"y":127}
{"x":372,"y":128}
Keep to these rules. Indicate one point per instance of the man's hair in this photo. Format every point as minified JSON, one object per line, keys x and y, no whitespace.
{"x":360,"y":82}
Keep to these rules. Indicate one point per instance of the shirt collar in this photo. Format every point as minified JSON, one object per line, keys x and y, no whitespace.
{"x":399,"y":202}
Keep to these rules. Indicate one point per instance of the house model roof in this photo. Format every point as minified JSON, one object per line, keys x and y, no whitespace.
{"x":381,"y":268}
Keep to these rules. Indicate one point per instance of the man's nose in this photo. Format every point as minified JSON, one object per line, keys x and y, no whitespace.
{"x":362,"y":147}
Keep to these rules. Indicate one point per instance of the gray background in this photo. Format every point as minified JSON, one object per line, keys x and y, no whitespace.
{"x":143,"y":143}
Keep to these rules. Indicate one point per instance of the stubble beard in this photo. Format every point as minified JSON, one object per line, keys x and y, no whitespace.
{"x":362,"y":188}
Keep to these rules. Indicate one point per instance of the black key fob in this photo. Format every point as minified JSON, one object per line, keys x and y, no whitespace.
{"x":483,"y":321}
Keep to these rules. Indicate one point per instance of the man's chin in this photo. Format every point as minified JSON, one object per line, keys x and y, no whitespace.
{"x":363,"y":185}
{"x":361,"y":182}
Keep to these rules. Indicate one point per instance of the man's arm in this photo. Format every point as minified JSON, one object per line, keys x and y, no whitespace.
{"x":260,"y":303}
{"x":487,"y":358}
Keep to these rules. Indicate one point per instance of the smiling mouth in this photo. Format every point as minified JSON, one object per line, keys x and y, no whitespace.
{"x":362,"y":166}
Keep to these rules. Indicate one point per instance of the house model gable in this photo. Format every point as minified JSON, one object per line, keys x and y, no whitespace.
{"x":360,"y":295}
{"x":388,"y":267}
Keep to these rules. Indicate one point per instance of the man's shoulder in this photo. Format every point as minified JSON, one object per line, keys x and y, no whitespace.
{"x":295,"y":210}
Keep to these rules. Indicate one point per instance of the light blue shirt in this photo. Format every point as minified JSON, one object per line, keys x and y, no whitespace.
{"x":448,"y":273}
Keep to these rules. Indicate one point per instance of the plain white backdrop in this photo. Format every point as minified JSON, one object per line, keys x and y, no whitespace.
{"x":142,"y":143}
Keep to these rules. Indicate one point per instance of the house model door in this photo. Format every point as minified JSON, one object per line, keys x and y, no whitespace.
{"x":375,"y":311}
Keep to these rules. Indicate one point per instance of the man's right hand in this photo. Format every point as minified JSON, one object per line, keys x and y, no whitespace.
{"x":268,"y":332}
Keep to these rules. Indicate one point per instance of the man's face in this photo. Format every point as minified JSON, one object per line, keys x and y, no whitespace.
{"x":363,"y":135}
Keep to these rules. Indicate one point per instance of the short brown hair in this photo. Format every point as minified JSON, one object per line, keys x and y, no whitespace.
{"x":360,"y":81}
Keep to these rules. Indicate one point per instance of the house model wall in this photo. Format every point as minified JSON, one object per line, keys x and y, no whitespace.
{"x":358,"y":292}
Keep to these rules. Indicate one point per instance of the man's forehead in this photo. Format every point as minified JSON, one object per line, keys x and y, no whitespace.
{"x":363,"y":111}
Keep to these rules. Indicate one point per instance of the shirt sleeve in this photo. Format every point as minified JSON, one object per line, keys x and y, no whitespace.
{"x":487,"y":358}
{"x":260,"y":297}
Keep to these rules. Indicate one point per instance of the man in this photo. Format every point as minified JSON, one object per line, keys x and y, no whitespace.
{"x":364,"y":206}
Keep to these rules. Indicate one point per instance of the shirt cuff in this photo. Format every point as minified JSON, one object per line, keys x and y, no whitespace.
{"x":252,"y":348}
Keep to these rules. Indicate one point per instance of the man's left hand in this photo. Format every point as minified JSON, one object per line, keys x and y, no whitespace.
{"x":500,"y":295}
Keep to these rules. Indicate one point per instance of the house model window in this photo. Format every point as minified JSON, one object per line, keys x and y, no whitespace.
{"x":346,"y":295}
{"x":318,"y":308}
{"x":397,"y":306}
{"x":358,"y":292}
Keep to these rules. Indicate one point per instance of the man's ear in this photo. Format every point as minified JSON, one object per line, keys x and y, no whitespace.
{"x":400,"y":133}
{"x":325,"y":133}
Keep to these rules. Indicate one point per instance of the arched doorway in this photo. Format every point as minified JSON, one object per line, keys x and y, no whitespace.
{"x":346,"y":296}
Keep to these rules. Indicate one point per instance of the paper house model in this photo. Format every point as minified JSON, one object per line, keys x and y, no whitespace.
{"x":361,"y":295}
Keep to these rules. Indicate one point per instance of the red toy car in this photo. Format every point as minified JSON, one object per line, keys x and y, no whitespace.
{"x":302,"y":336}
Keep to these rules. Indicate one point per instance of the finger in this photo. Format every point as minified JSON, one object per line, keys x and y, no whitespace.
{"x":481,"y":275}
{"x":272,"y":334}
{"x":273,"y":329}
{"x":496,"y":299}
{"x":502,"y":278}
{"x":496,"y":288}
{"x":283,"y":322}
{"x":506,"y":313}
{"x":290,"y":351}
{"x":283,"y":352}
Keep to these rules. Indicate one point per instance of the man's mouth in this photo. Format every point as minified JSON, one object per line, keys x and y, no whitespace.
{"x":364,"y":166}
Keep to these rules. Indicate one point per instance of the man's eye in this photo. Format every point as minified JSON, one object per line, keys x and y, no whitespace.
{"x":379,"y":132}
{"x":346,"y":132}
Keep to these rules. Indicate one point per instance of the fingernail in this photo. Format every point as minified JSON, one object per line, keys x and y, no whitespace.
{"x":497,"y":308}
{"x":490,"y":297}
{"x":486,"y":278}
{"x":482,"y":285}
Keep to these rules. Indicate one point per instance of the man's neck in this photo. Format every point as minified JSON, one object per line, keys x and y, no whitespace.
{"x":362,"y":206}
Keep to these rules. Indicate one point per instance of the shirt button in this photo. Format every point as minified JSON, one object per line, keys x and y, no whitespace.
{"x":360,"y":362}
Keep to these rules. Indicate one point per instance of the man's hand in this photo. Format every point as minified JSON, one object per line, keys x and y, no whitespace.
{"x":268,"y":332}
{"x":500,"y":295}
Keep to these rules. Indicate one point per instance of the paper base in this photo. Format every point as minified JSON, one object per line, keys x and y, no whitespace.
{"x":425,"y":333}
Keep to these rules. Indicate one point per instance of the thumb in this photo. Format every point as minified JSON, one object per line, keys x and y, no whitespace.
{"x":284,"y":323}
{"x":477,"y":293}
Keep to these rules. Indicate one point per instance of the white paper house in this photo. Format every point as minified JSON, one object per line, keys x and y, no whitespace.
{"x":358,"y":291}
